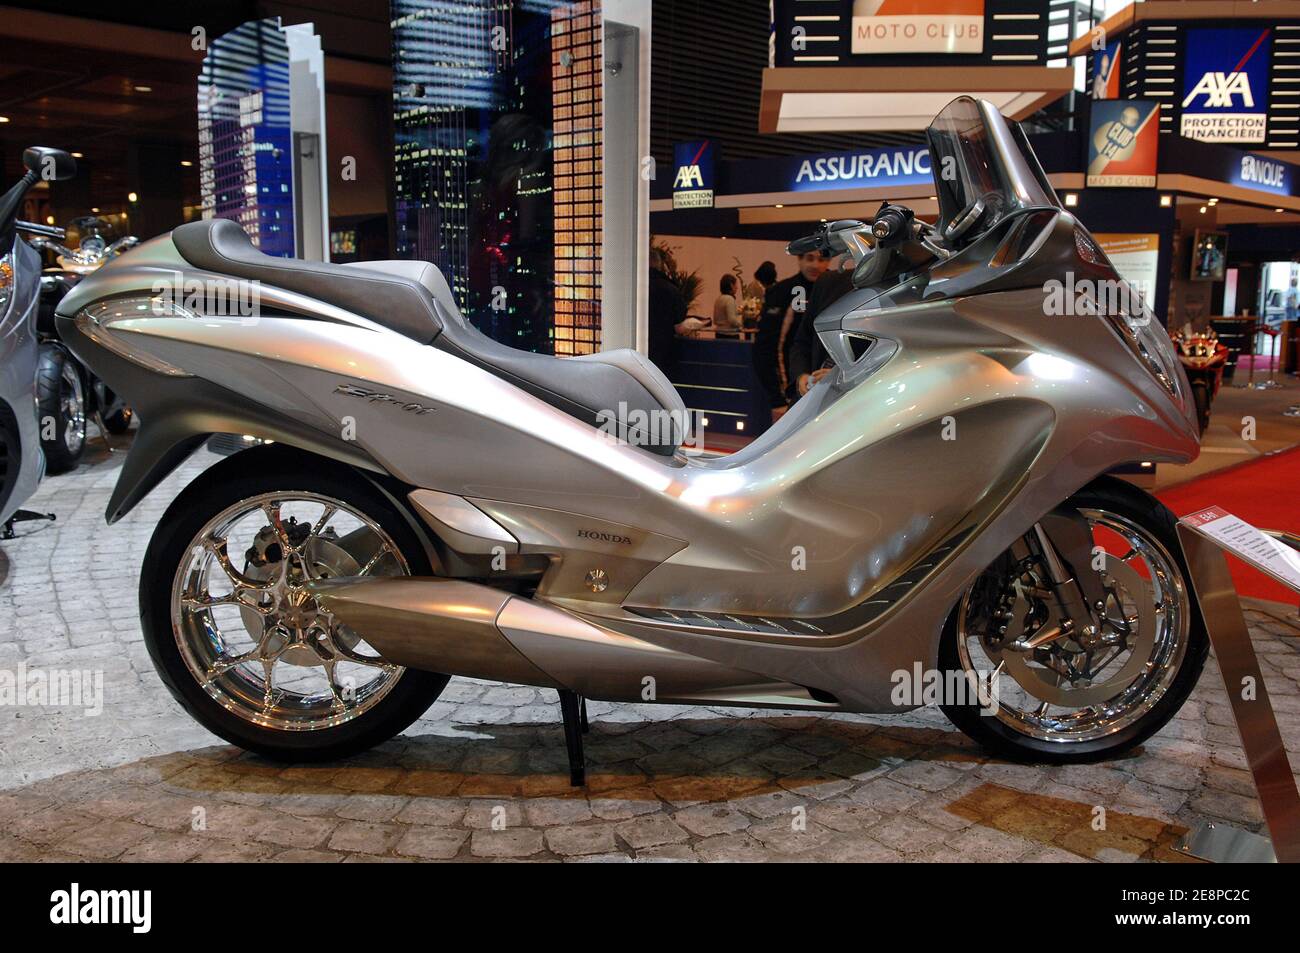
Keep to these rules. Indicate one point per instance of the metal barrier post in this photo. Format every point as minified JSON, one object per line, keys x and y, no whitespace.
{"x":1248,"y":696}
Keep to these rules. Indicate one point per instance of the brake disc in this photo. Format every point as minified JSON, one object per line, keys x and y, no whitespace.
{"x":1048,"y":685}
{"x":328,"y":560}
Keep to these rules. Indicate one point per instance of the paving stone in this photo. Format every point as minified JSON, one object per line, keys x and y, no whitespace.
{"x":431,"y":843}
{"x":521,"y":842}
{"x":651,"y":830}
{"x":580,"y":839}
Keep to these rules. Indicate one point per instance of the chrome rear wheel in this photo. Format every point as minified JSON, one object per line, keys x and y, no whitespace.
{"x":248,"y":628}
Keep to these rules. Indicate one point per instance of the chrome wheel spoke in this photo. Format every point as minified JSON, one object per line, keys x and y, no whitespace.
{"x":375,"y":560}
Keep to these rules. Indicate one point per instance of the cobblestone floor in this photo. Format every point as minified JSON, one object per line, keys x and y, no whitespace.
{"x":482,"y":775}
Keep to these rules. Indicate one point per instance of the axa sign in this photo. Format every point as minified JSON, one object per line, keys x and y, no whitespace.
{"x":693,"y":175}
{"x":1225,"y":84}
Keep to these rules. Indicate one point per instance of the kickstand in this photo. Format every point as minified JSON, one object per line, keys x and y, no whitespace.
{"x":586,"y":725}
{"x":22,"y":516}
{"x":574,"y":710}
{"x":103,"y":431}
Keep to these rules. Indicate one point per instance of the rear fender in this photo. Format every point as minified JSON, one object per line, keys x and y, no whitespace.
{"x":177,"y":414}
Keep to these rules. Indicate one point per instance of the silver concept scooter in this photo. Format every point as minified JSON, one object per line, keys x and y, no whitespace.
{"x":934,"y":514}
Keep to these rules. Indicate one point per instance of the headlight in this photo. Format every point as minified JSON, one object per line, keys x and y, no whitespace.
{"x":1148,"y":340}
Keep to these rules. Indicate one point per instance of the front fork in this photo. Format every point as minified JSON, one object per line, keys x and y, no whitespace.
{"x":1063,"y":541}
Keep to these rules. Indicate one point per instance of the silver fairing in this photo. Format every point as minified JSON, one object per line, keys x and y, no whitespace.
{"x":18,"y":360}
{"x":827,"y":554}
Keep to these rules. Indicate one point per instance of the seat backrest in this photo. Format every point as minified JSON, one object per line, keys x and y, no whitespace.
{"x":401,"y":303}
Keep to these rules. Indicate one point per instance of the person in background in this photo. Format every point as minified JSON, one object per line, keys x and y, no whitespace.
{"x":808,"y":361}
{"x":1292,"y":301}
{"x":783,"y":301}
{"x":764,"y":278}
{"x":726,"y":307}
{"x":667,"y":316}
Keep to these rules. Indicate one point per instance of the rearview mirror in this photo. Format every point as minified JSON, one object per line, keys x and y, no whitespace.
{"x":50,"y":164}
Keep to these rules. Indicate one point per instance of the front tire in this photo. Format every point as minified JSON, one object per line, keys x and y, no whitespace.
{"x":1159,"y":655}
{"x":234,"y":633}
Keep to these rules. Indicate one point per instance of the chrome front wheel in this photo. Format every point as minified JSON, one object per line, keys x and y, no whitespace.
{"x":1077,"y":689}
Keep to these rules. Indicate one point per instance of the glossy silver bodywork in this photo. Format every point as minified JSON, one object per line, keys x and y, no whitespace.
{"x":801,"y":571}
{"x":18,"y":360}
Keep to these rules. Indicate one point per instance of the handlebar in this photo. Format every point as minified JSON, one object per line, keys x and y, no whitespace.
{"x":49,"y":231}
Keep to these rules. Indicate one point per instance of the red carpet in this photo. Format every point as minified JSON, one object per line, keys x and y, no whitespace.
{"x":1265,"y":493}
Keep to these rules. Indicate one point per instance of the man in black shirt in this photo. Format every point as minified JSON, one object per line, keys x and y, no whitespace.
{"x":808,"y":361}
{"x":667,"y":311}
{"x":783,"y":304}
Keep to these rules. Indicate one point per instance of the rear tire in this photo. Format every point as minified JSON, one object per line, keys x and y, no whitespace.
{"x":1117,"y":497}
{"x":228,"y":484}
{"x":61,"y":408}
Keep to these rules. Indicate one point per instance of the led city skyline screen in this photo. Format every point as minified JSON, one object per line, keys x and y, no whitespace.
{"x":497,"y":120}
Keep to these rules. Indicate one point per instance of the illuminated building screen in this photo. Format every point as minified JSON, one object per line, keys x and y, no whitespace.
{"x":497,"y":116}
{"x":245,"y":140}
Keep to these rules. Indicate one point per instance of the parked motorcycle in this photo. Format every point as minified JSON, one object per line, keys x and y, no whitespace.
{"x":1203,"y":358}
{"x":67,"y":393}
{"x":21,"y":461}
{"x":434,"y":503}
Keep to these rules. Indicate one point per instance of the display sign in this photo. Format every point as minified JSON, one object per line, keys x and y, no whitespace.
{"x":1123,"y":144}
{"x":1247,"y":543}
{"x":869,"y":168}
{"x":1136,"y":257}
{"x":693,"y":175}
{"x":1106,"y":71}
{"x":918,"y":26}
{"x":1225,"y":84}
{"x":1263,"y":173}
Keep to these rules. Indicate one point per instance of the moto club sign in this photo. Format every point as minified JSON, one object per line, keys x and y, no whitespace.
{"x":918,"y":26}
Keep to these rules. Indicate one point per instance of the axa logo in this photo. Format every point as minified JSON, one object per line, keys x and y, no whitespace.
{"x":689,"y":177}
{"x":1219,"y":88}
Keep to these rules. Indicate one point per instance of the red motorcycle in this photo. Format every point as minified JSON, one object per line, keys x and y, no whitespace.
{"x":1203,"y":358}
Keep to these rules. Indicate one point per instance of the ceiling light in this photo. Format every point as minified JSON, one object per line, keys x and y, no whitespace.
{"x":778,"y":205}
{"x":1202,"y":209}
{"x":49,"y":219}
{"x":78,"y":155}
{"x":1166,"y":201}
{"x":143,"y":89}
{"x":4,"y":118}
{"x":186,"y":163}
{"x":1071,"y":199}
{"x":95,"y":211}
{"x":1277,"y":210}
{"x":132,"y":197}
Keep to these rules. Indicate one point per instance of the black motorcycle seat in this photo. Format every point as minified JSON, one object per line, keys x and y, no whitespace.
{"x":413,"y":299}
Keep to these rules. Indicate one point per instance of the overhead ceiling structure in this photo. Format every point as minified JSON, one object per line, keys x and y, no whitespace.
{"x":881,"y":99}
{"x":101,"y":83}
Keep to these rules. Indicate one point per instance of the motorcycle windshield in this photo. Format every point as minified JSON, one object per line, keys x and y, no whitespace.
{"x":977,"y":154}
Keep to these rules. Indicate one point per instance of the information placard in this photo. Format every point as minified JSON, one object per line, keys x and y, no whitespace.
{"x":1248,"y":543}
